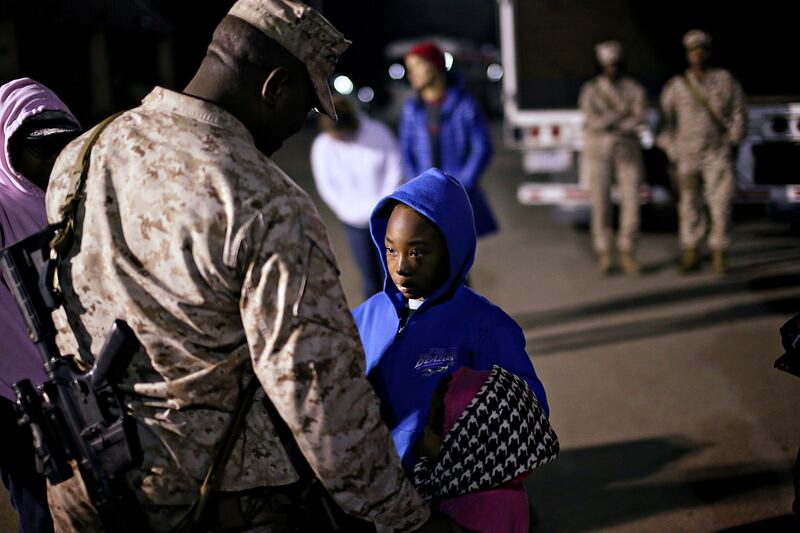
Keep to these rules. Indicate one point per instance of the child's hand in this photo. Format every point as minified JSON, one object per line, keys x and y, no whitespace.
{"x":428,"y":445}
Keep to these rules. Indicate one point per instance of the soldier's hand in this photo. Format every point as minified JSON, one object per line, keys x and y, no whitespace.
{"x":441,"y":523}
{"x":790,"y":335}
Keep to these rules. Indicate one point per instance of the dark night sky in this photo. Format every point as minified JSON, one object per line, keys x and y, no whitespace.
{"x":760,"y":44}
{"x":370,"y":24}
{"x":53,"y":36}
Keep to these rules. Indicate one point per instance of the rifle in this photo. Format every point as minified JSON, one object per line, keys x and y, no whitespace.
{"x":75,"y":417}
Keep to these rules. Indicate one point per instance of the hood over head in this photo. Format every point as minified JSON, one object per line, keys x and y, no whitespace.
{"x":441,"y":199}
{"x":20,"y":101}
{"x":22,"y":212}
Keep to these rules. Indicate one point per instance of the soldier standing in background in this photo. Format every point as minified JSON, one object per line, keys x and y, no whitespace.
{"x":614,"y":111}
{"x":704,"y":119}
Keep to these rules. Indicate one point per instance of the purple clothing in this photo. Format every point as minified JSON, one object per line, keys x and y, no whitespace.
{"x":22,"y":213}
{"x":500,"y":510}
{"x":464,"y":145}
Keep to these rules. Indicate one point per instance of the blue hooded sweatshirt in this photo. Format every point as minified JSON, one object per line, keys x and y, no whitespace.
{"x":454,"y":327}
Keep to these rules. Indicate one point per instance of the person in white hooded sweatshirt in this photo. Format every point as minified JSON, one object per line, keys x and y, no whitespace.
{"x":356,"y":162}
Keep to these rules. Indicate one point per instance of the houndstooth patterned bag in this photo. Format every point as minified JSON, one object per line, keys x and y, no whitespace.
{"x":502,"y":434}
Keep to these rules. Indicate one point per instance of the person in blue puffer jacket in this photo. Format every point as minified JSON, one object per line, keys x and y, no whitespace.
{"x":426,"y":323}
{"x":442,"y":126}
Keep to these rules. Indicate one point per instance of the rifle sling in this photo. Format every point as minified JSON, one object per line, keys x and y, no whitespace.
{"x":607,"y":98}
{"x":229,"y":438}
{"x":62,"y":241}
{"x":702,"y":100}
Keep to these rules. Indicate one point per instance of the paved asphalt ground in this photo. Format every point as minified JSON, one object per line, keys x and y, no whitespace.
{"x":670,"y":415}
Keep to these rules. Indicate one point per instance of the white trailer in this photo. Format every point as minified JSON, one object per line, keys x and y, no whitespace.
{"x":547,"y":52}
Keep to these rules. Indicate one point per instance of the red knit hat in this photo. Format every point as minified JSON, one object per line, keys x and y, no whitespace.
{"x":430,"y":53}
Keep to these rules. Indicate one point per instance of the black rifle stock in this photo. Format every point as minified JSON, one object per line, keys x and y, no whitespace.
{"x":74,"y":416}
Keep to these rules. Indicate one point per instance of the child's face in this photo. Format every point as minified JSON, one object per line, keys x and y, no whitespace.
{"x":416,"y":253}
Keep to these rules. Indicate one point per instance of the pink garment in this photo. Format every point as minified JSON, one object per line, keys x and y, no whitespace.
{"x":22,"y":213}
{"x":501,"y":510}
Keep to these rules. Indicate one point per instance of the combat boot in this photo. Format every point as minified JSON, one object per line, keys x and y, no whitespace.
{"x":628,"y":263}
{"x":690,"y":260}
{"x":604,"y":262}
{"x":718,"y":263}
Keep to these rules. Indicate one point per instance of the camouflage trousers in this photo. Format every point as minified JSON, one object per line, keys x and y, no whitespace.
{"x":261,"y":510}
{"x":600,"y":163}
{"x":705,"y":180}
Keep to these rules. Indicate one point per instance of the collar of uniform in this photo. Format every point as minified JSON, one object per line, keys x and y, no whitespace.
{"x":195,"y":108}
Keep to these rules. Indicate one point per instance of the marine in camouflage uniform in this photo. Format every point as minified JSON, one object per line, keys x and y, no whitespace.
{"x":614,"y":112}
{"x":220,"y":264}
{"x":704,"y":118}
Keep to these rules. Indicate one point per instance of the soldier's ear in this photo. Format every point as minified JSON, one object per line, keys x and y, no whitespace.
{"x":274,"y":86}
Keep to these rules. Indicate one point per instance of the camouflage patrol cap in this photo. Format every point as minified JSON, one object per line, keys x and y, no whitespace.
{"x":303,"y":32}
{"x":608,"y":52}
{"x":696,"y":39}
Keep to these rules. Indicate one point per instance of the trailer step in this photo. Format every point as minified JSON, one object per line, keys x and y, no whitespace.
{"x":570,"y":194}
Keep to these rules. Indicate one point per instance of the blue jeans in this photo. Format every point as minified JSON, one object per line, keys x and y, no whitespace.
{"x":367,"y":259}
{"x":18,"y":469}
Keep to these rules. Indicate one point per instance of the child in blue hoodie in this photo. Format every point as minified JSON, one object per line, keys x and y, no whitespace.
{"x":426,"y":324}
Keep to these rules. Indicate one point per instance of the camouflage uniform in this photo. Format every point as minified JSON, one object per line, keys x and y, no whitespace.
{"x":614,"y":112}
{"x":701,"y":151}
{"x":221,"y":265}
